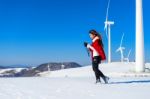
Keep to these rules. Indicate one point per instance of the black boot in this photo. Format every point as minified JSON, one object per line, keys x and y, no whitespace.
{"x":98,"y":81}
{"x":106,"y":79}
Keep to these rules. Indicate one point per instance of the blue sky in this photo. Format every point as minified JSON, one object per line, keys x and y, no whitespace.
{"x":38,"y":31}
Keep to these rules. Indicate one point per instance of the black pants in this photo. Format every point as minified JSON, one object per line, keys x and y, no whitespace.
{"x":95,"y":65}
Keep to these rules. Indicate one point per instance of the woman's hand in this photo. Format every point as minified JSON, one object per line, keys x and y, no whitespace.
{"x":85,"y":44}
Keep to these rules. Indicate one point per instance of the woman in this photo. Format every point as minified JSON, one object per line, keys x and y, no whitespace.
{"x":97,"y":54}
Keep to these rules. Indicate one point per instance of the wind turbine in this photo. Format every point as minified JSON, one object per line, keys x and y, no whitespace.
{"x":62,"y":66}
{"x":107,"y":29}
{"x":48,"y":67}
{"x":120,"y":49}
{"x":127,"y":58}
{"x":139,"y":57}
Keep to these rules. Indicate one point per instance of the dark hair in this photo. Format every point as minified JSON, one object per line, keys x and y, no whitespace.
{"x":94,"y":32}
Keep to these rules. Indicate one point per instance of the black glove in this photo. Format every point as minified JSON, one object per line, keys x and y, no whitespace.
{"x":85,"y":44}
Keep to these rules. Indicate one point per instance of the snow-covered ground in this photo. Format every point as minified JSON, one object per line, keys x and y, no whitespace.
{"x":78,"y":83}
{"x":74,"y":88}
{"x":115,"y":69}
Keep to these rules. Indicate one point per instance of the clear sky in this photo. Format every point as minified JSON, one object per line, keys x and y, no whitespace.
{"x":38,"y":31}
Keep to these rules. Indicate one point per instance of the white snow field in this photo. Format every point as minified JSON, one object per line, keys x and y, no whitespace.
{"x":78,"y":83}
{"x":115,"y":69}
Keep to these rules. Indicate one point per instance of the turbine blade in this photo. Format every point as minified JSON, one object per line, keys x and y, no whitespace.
{"x":123,"y":48}
{"x":129,"y":53}
{"x":118,"y":49}
{"x":107,"y":12}
{"x":105,"y":28}
{"x":122,"y":39}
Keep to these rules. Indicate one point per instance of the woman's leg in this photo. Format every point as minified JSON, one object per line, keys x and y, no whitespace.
{"x":103,"y":76}
{"x":95,"y":64}
{"x":99,"y":72}
{"x":95,"y":69}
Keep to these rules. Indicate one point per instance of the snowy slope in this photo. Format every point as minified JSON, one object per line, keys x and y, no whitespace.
{"x":16,"y":69}
{"x":7,"y":71}
{"x":74,"y":88}
{"x":116,"y":69}
{"x":78,"y":83}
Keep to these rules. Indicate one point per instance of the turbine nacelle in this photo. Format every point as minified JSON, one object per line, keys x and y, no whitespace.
{"x":108,"y":23}
{"x":120,"y":49}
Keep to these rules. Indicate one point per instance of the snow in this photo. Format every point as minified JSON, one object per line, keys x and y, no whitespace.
{"x":115,"y":69}
{"x":16,"y":70}
{"x":78,"y":85}
{"x":74,"y":88}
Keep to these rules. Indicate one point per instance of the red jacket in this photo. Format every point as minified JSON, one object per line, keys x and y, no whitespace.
{"x":98,"y":48}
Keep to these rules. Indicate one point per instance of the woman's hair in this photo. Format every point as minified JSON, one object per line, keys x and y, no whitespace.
{"x":94,"y":32}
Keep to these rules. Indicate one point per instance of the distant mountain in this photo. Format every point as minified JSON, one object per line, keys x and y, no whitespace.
{"x":24,"y":71}
{"x":10,"y":72}
{"x":45,"y":67}
{"x":57,"y":66}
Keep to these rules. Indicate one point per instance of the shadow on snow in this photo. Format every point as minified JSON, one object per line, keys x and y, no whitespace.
{"x":129,"y":82}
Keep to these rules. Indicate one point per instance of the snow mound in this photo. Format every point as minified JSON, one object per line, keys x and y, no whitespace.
{"x":115,"y":69}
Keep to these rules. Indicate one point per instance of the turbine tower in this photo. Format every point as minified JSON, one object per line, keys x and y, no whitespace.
{"x":140,"y":63}
{"x":120,"y":49}
{"x":107,"y":28}
{"x":62,"y":66}
{"x":48,"y":67}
